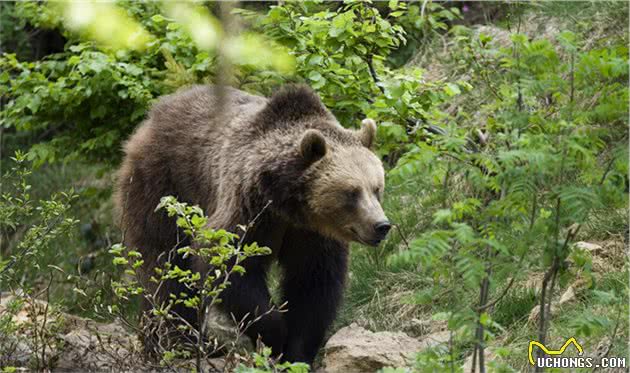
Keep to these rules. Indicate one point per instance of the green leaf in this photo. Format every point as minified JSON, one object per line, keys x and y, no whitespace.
{"x":452,"y":89}
{"x":315,"y":76}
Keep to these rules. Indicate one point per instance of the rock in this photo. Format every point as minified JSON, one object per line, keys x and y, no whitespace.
{"x":72,"y":343}
{"x":534,"y":314}
{"x":606,"y":256}
{"x":590,"y":247}
{"x":435,"y":339}
{"x":419,"y":328}
{"x":102,"y":347}
{"x":501,"y":38}
{"x":468,"y":364}
{"x":567,"y":296}
{"x":355,"y":349}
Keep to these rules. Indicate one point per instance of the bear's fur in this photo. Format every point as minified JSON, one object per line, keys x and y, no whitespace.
{"x":231,"y":152}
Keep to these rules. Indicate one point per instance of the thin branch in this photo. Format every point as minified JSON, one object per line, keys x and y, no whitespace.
{"x":252,"y":223}
{"x":612,"y":337}
{"x":519,"y":100}
{"x":424,"y":4}
{"x":24,"y":252}
{"x":572,"y":80}
{"x":402,"y":235}
{"x":45,"y":321}
{"x":370,"y":63}
{"x":607,"y":170}
{"x":505,"y":290}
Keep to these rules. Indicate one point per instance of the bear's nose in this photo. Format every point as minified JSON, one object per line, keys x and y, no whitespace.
{"x":382,"y":228}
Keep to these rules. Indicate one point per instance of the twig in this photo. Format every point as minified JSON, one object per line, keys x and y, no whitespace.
{"x":252,"y":223}
{"x":505,"y":290}
{"x":424,"y":4}
{"x":519,"y":100}
{"x":370,"y":63}
{"x":43,"y":330}
{"x":480,"y":346}
{"x":607,"y":170}
{"x":445,"y":185}
{"x":612,"y":337}
{"x":402,"y":235}
{"x":572,"y":80}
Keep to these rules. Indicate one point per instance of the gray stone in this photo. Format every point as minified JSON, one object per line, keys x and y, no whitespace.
{"x":355,"y":349}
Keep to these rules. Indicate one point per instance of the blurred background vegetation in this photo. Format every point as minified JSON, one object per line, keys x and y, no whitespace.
{"x":503,"y":128}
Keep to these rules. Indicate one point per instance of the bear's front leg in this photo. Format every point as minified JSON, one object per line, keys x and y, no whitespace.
{"x":247,"y":297}
{"x":314,"y":276}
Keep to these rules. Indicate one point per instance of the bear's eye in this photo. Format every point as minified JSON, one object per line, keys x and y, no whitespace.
{"x":377,"y":193}
{"x":352,"y":195}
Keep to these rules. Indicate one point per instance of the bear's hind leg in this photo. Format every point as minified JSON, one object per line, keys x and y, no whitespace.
{"x":314,"y":276}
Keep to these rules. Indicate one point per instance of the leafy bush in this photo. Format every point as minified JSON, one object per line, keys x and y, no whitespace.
{"x":263,"y":363}
{"x":36,"y":226}
{"x":221,"y":250}
{"x":82,"y":103}
{"x":546,"y":148}
{"x":28,"y":231}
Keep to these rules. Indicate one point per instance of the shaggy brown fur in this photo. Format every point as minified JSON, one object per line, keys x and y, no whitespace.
{"x":231,"y":152}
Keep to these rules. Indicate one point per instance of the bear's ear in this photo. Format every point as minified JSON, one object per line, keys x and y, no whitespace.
{"x":312,"y":146}
{"x":367,"y":133}
{"x":293,"y":102}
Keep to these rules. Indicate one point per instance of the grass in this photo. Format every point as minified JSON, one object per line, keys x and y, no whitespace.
{"x":516,"y":306}
{"x":384,"y":296}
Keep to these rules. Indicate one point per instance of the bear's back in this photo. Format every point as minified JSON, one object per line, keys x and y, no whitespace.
{"x":201,"y":107}
{"x":180,"y":140}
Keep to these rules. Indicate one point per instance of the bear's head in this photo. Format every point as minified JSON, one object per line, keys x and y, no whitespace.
{"x":346,"y":182}
{"x":331,"y":182}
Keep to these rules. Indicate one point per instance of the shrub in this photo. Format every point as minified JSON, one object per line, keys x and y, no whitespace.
{"x":545,"y":150}
{"x":222,"y":251}
{"x":28,"y":231}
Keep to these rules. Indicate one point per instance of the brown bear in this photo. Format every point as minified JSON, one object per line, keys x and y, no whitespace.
{"x":231,"y":153}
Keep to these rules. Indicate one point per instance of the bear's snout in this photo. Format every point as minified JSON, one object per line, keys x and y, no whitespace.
{"x":382,"y":228}
{"x":380,"y":232}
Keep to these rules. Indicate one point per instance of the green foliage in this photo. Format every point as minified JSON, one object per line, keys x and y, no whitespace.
{"x":33,"y":228}
{"x":39,"y":224}
{"x":334,"y":49}
{"x":222,"y":251}
{"x":342,"y":53}
{"x":12,"y":31}
{"x":422,"y":23}
{"x":263,"y":363}
{"x":8,"y":327}
{"x":550,"y":151}
{"x":434,"y":360}
{"x":84,"y":102}
{"x":75,"y":97}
